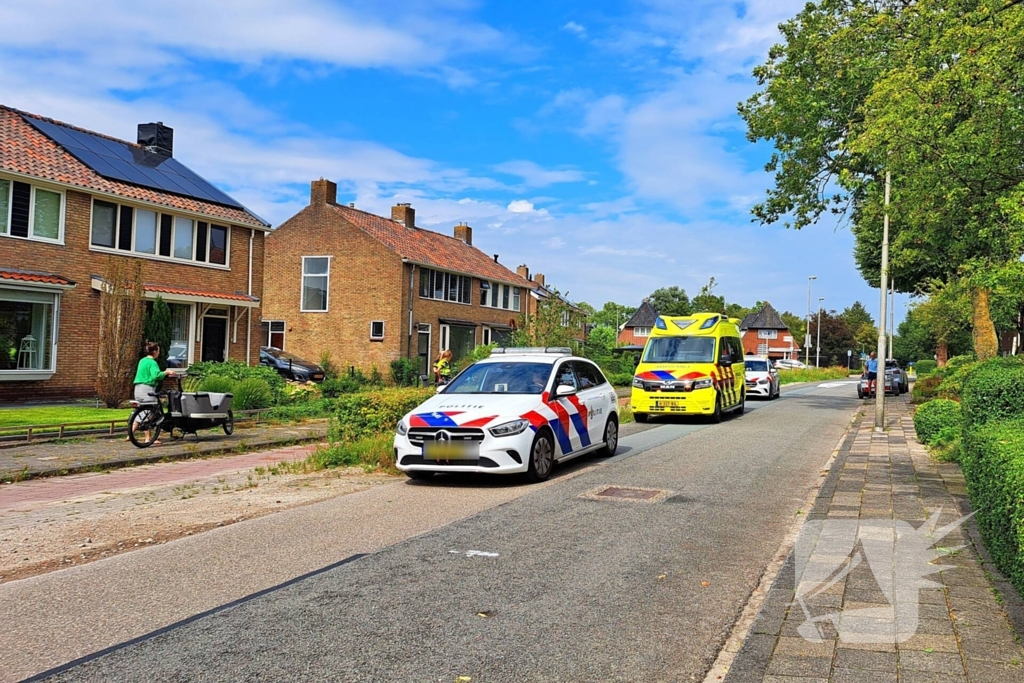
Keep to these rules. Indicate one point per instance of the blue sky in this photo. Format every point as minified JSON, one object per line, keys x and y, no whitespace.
{"x":596,"y":142}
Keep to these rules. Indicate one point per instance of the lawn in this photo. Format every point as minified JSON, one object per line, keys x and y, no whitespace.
{"x":18,"y":417}
{"x":812,"y":375}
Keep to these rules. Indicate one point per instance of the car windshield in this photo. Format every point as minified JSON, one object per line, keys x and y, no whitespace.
{"x":501,"y":378}
{"x":281,"y":355}
{"x":757,"y":365}
{"x":680,"y":350}
{"x":176,"y":351}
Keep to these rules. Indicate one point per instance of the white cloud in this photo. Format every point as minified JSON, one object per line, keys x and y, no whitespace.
{"x":573,"y":27}
{"x":534,"y":175}
{"x":521,"y":206}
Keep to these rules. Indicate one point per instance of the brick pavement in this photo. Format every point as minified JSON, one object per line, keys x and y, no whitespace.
{"x":961,"y":632}
{"x":48,"y":459}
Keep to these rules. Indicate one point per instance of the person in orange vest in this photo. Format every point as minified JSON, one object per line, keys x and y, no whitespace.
{"x":443,"y":367}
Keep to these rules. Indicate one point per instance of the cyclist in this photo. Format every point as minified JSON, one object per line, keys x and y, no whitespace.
{"x":148,"y":377}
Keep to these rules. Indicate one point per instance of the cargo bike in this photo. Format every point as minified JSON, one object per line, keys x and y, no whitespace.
{"x":179,"y":413}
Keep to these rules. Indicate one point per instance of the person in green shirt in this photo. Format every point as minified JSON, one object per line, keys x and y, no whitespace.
{"x":148,"y":377}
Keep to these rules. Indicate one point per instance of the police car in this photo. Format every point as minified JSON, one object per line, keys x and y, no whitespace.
{"x":521,"y":410}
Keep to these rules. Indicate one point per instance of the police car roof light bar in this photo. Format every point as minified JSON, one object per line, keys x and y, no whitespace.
{"x":562,"y":350}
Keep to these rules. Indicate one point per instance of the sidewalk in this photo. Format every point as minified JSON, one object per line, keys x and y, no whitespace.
{"x":48,"y":459}
{"x":959,"y":629}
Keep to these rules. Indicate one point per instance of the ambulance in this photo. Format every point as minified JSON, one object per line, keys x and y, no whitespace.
{"x":691,"y":365}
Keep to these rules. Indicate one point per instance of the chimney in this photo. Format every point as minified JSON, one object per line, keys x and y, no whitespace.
{"x":404,"y":214}
{"x":495,"y":258}
{"x":523,"y":272}
{"x":157,"y":138}
{"x":539,"y":279}
{"x":323,"y":192}
{"x":465,"y":233}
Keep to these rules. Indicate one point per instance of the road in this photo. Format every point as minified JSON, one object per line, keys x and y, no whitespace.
{"x":461,"y":577}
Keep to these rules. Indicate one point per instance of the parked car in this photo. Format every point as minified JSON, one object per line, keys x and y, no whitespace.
{"x":291,"y":366}
{"x":761,"y":377}
{"x":521,"y":410}
{"x":899,"y":377}
{"x":891,"y":386}
{"x":177,"y":356}
{"x":789,"y":364}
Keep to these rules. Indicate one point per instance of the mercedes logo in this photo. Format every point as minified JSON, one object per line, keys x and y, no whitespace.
{"x":442,"y":435}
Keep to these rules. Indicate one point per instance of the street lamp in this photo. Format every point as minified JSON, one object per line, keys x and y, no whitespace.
{"x":817,"y":357}
{"x":807,"y":332}
{"x":883,"y":285}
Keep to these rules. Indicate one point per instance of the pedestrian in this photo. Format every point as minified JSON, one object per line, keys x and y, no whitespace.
{"x":872,"y":368}
{"x":443,"y":367}
{"x":148,"y":377}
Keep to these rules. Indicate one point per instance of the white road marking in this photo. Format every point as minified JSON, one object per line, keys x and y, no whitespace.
{"x":473,"y":553}
{"x":833,"y":385}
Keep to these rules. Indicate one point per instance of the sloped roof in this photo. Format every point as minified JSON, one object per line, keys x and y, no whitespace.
{"x":34,"y":276}
{"x":645,"y":316}
{"x":27,"y":151}
{"x":200,"y":293}
{"x":430,"y":248}
{"x":765,"y":319}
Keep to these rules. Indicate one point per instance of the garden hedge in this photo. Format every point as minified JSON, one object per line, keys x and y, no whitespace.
{"x":992,"y":458}
{"x":933,"y":416}
{"x":375,"y":412}
{"x":925,"y":367}
{"x":994,"y":390}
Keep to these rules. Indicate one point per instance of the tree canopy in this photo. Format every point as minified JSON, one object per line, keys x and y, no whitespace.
{"x":671,"y":301}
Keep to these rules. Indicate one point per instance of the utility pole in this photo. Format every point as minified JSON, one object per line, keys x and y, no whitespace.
{"x":883,"y":286}
{"x":892,"y":316}
{"x":817,"y":357}
{"x":807,"y":332}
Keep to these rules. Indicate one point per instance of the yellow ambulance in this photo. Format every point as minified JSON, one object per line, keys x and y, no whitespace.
{"x":691,"y":365}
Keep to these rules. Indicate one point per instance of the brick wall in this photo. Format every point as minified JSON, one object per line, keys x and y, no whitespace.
{"x":77,"y":348}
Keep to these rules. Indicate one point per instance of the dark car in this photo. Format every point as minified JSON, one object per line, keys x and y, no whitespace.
{"x":177,"y":356}
{"x":291,"y":366}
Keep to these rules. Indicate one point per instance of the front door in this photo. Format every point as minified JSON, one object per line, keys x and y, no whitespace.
{"x":214,"y":335}
{"x":423,"y":352}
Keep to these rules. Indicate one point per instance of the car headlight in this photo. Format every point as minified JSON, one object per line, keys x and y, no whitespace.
{"x":763,"y":380}
{"x":703,"y":383}
{"x":638,"y":383}
{"x":510,"y":428}
{"x":402,"y":428}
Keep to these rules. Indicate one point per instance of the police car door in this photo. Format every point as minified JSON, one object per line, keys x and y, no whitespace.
{"x":569,"y":426}
{"x":597,"y":398}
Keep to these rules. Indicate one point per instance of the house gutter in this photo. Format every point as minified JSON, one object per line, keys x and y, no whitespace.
{"x":248,"y":326}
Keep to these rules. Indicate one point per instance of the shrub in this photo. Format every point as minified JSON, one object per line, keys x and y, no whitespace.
{"x":620,"y":379}
{"x":934,"y":416}
{"x":237,"y":370}
{"x":953,"y":381}
{"x":994,"y":390}
{"x":312,"y":409}
{"x":251,"y":394}
{"x":217,"y":385}
{"x":926,"y":389}
{"x":372,"y":452}
{"x":330,"y":369}
{"x":992,"y":457}
{"x":332,"y":388}
{"x":375,"y":412}
{"x":403,"y":373}
{"x":925,"y":367}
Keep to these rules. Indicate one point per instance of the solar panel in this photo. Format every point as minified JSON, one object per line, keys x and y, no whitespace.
{"x":132,"y":164}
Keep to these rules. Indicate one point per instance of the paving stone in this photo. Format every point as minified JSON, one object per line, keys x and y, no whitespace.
{"x":926,"y":642}
{"x":873,"y":647}
{"x":936,"y":627}
{"x":793,"y":679}
{"x":801,"y":647}
{"x":855,"y":676}
{"x":782,"y":665}
{"x":930,"y":677}
{"x":936,"y":662}
{"x":865,"y":660}
{"x":983,"y":671}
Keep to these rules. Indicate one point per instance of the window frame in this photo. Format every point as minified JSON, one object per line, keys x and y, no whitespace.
{"x":498,"y":293}
{"x":641,"y":332}
{"x":36,"y":374}
{"x":327,"y":287}
{"x":377,"y":337}
{"x":271,"y":332}
{"x":463,"y":286}
{"x":33,"y":186}
{"x":767,"y":334}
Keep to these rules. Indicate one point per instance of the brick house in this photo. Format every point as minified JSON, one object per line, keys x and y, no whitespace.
{"x":71,"y":199}
{"x":764,"y":334}
{"x":572,"y":315}
{"x":372,"y":290}
{"x":637,"y":329}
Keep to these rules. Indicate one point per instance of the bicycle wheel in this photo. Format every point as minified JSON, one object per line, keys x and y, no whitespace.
{"x":144,"y":426}
{"x":229,"y":424}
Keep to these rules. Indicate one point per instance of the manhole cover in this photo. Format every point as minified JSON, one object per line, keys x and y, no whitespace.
{"x":627,"y":493}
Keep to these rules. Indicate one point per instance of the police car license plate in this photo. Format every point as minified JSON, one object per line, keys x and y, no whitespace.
{"x":450,"y":451}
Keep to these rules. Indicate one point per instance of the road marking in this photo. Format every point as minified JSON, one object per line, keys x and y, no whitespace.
{"x":833,"y":385}
{"x":473,"y":553}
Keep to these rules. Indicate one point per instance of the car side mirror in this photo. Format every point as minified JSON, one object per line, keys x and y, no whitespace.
{"x":565,"y":390}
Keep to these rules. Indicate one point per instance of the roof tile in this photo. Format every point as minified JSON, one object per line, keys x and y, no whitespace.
{"x":31,"y":276}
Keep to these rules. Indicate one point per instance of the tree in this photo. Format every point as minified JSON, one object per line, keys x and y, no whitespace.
{"x":706,"y":301}
{"x":671,"y":301}
{"x":944,"y":313}
{"x":866,"y":338}
{"x":555,"y":323}
{"x":121,"y":319}
{"x":612,"y":315}
{"x":601,"y":341}
{"x":856,"y":316}
{"x":797,"y":327}
{"x":159,"y":328}
{"x":929,"y":91}
{"x":836,"y":338}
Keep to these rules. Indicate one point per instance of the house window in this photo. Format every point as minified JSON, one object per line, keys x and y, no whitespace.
{"x":141,"y":231}
{"x":31,"y":212}
{"x":767,"y":334}
{"x":516,"y":297}
{"x":436,"y":284}
{"x":184,"y":237}
{"x":641,"y":332}
{"x":145,"y":231}
{"x":27,"y":330}
{"x":377,"y":330}
{"x":486,"y":336}
{"x":459,"y":339}
{"x":495,"y":295}
{"x":218,"y":244}
{"x":104,"y":224}
{"x":272,"y":334}
{"x":485,"y":292}
{"x":315,"y":278}
{"x":181,"y":323}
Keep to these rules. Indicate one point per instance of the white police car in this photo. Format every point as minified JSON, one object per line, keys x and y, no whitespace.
{"x":521,"y":410}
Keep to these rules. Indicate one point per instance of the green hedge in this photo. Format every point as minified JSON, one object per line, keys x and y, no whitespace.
{"x":374,"y":412}
{"x":933,"y":416}
{"x":925,"y":367}
{"x":238,"y":371}
{"x":953,"y":380}
{"x":994,"y":390}
{"x":251,"y":394}
{"x":925,"y":389}
{"x":992,"y":457}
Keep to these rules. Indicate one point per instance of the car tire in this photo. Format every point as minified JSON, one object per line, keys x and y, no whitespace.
{"x":778,"y":392}
{"x":860,"y":394}
{"x":611,"y":439}
{"x":716,"y":417}
{"x":738,"y":410}
{"x":542,"y":457}
{"x":641,"y":417}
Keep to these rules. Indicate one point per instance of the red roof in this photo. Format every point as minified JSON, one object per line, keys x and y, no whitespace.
{"x":430,"y":248}
{"x":25,"y":150}
{"x":180,"y":291}
{"x":29,"y":276}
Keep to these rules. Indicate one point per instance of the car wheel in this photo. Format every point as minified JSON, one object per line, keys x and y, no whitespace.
{"x":641,"y":417}
{"x":419,"y":475}
{"x":742,"y":406}
{"x":229,"y":424}
{"x":542,"y":457}
{"x":716,"y":416}
{"x":778,"y":392}
{"x":860,"y":394}
{"x":611,"y":439}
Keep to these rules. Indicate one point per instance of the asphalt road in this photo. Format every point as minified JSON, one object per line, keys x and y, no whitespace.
{"x":548,"y":586}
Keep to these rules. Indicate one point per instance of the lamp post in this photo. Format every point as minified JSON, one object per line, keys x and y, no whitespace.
{"x":892,"y":317}
{"x":807,"y":332}
{"x":817,"y":356}
{"x":883,"y":286}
